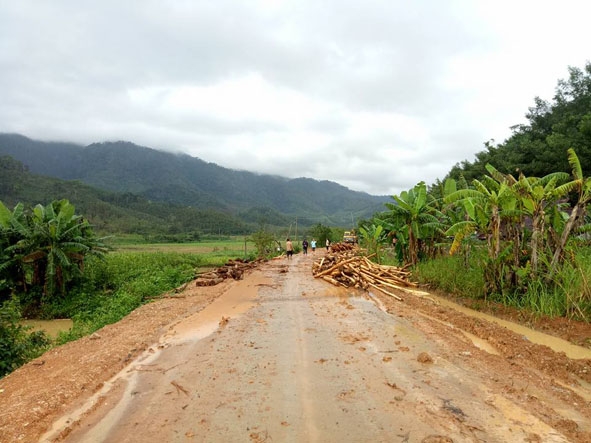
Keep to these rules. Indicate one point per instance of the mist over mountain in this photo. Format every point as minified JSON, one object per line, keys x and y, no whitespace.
{"x":180,"y":179}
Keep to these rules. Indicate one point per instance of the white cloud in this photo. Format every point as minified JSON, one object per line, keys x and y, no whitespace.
{"x":376,"y":96}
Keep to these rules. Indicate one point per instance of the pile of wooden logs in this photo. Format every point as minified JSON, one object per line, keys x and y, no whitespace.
{"x":342,"y":247}
{"x":232,"y":269}
{"x":349,"y":269}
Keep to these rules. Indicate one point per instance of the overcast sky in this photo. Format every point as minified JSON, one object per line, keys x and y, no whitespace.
{"x":374,"y":95}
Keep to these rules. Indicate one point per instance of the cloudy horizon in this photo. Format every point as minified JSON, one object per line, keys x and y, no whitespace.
{"x":375,"y":96}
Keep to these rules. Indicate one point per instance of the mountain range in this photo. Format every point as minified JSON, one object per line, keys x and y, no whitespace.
{"x":185,"y":181}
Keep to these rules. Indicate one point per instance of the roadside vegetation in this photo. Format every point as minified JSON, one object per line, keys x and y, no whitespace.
{"x":507,"y":234}
{"x":519,"y":240}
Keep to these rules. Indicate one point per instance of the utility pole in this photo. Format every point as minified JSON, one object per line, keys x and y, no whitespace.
{"x":296,"y":230}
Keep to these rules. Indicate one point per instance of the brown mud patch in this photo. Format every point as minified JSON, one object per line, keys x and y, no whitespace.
{"x":525,"y":357}
{"x":34,"y":395}
{"x":574,"y":331}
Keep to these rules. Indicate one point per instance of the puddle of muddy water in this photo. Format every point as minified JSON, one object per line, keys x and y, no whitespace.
{"x":476,"y":341}
{"x":237,"y":300}
{"x":481,"y":344}
{"x":51,"y":327}
{"x":554,"y":343}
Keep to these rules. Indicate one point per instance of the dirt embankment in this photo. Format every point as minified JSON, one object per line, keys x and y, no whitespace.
{"x":280,"y":356}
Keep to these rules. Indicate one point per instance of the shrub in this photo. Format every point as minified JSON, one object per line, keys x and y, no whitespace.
{"x":17,"y":345}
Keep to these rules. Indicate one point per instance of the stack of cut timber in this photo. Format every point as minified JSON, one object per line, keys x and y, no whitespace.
{"x":351,"y":270}
{"x":232,"y":269}
{"x":342,"y":247}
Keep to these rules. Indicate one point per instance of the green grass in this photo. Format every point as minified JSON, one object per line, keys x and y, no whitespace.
{"x":113,"y":287}
{"x":214,"y":252}
{"x":568,"y":294}
{"x":450,"y":274}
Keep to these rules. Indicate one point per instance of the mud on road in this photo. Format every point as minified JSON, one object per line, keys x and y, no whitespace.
{"x":280,"y":356}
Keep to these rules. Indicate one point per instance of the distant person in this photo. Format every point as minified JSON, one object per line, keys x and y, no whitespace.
{"x":313,"y":245}
{"x":289,"y":248}
{"x":327,"y":244}
{"x":305,"y":246}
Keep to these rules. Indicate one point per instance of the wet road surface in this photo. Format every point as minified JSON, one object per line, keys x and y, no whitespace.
{"x":283,"y":357}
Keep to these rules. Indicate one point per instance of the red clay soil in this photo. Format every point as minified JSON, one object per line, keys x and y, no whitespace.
{"x":38,"y":393}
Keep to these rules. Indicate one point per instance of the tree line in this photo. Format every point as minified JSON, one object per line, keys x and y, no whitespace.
{"x":539,"y":147}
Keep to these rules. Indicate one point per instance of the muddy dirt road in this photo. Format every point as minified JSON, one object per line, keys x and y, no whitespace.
{"x":282,"y":357}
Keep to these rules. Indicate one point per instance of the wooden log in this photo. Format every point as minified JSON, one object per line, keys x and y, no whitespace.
{"x":332,"y":268}
{"x":396,"y":280}
{"x":368,"y":276}
{"x":348,"y":277}
{"x":386,"y":292}
{"x":333,"y":281}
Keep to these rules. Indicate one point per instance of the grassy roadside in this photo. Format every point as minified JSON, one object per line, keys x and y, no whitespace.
{"x":135,"y":274}
{"x":110,"y":288}
{"x":569,"y":296}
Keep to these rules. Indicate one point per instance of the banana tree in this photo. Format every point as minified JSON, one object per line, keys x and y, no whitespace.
{"x":582,"y":187}
{"x":373,"y":237}
{"x":57,"y":245}
{"x":414,"y":218}
{"x":536,"y":195}
{"x":13,"y":231}
{"x":484,"y":205}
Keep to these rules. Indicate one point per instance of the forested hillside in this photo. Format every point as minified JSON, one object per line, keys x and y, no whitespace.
{"x":111,"y":212}
{"x":189,"y":181}
{"x":540,"y":147}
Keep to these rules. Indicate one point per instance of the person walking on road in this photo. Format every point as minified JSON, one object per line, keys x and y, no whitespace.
{"x":313,"y":244}
{"x":327,"y":244}
{"x":289,"y":248}
{"x":305,"y":246}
